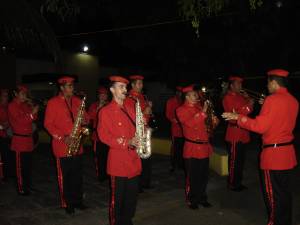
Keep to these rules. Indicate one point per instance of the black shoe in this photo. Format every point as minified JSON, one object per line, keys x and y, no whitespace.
{"x":24,"y":193}
{"x":206,"y":204}
{"x":171,"y":170}
{"x":141,"y":190}
{"x":81,"y":206}
{"x":70,"y":210}
{"x":193,"y":206}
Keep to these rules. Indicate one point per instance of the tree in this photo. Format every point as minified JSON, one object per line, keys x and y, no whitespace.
{"x":198,"y":10}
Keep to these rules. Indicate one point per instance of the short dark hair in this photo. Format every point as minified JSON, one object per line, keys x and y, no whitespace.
{"x":281,"y":81}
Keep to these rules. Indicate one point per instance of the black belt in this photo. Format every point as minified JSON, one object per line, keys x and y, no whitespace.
{"x":22,"y":135}
{"x":196,"y":142}
{"x":277,"y":145}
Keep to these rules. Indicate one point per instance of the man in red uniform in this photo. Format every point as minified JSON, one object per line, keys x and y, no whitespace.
{"x":236,"y":137}
{"x":276,"y":122}
{"x":5,"y":153}
{"x":20,"y":116}
{"x":100,"y":149}
{"x":136,"y":92}
{"x":176,"y":131}
{"x":116,"y":128}
{"x":197,"y":148}
{"x":60,"y":115}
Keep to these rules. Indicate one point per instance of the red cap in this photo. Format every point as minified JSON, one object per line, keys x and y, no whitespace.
{"x":278,"y":72}
{"x":237,"y":78}
{"x":65,"y":79}
{"x":119,"y":79}
{"x":102,"y":90}
{"x":22,"y":87}
{"x":136,"y":77}
{"x":178,"y":88}
{"x":188,"y":89}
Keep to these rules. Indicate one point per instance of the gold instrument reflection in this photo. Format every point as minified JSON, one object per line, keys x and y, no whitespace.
{"x":253,"y":94}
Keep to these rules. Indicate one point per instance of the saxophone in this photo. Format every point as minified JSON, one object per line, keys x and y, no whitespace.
{"x":142,"y":133}
{"x":77,"y":132}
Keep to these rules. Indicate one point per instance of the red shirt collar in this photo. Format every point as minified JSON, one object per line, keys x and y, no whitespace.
{"x":134,"y":93}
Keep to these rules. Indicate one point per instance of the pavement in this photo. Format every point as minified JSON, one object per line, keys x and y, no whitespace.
{"x":163,"y":205}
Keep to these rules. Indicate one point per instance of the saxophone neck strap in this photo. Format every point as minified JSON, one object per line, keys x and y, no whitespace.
{"x":69,"y":107}
{"x":126,"y":113}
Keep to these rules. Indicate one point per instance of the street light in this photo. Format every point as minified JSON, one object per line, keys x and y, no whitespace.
{"x":279,"y":4}
{"x":85,"y":48}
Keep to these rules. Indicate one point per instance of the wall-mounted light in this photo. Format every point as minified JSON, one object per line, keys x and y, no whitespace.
{"x":278,"y":4}
{"x":85,"y":48}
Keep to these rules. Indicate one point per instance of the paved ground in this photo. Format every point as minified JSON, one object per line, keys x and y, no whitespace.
{"x":163,"y":205}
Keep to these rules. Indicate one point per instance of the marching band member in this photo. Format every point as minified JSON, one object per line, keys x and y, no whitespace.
{"x":236,"y":137}
{"x":100,"y":149}
{"x":59,"y":121}
{"x":276,"y":122}
{"x":21,"y":116}
{"x":116,"y":128}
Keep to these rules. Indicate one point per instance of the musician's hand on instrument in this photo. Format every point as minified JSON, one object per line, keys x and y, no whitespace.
{"x":205,"y":106}
{"x":215,"y":121}
{"x":148,"y":110}
{"x":85,"y":130}
{"x":35,"y":109}
{"x":133,"y":142}
{"x":150,"y":104}
{"x":230,"y":116}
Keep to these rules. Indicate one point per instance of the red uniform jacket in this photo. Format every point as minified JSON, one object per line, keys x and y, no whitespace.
{"x":130,"y":102}
{"x":275,"y":122}
{"x":113,"y":123}
{"x":20,"y":119}
{"x":3,"y":120}
{"x":171,"y":106}
{"x":93,"y":112}
{"x":59,"y":123}
{"x":240,"y":104}
{"x":192,"y":120}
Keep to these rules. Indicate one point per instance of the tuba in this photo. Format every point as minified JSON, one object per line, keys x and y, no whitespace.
{"x":77,"y":132}
{"x":142,"y":133}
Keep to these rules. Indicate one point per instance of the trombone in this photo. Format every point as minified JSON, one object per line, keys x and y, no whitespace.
{"x":253,"y":94}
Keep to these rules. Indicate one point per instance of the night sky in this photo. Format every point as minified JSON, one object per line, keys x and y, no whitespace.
{"x":236,"y":41}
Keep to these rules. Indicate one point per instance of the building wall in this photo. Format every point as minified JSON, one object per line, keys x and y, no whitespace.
{"x":8,"y":70}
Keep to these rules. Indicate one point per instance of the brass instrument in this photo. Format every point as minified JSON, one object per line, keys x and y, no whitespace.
{"x":253,"y":94}
{"x":210,"y":119}
{"x":142,"y":133}
{"x":77,"y":131}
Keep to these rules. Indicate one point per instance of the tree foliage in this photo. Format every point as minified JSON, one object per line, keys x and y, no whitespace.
{"x":197,"y":10}
{"x":63,"y":8}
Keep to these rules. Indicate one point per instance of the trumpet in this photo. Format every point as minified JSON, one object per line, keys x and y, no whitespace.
{"x":253,"y":94}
